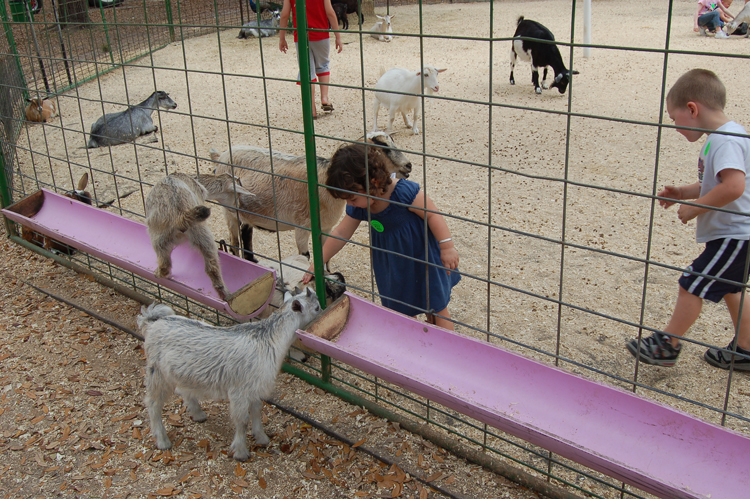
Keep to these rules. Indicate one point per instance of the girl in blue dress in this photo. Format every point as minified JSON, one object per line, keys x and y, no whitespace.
{"x":396,"y":210}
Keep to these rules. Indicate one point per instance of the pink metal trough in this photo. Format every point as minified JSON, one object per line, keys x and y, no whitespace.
{"x":126,"y":244}
{"x":646,"y":444}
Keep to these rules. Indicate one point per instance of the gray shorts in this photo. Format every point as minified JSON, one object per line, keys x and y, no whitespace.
{"x":319,"y":62}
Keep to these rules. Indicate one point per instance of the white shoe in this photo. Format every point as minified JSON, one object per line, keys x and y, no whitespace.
{"x":721,"y":34}
{"x":702,"y":31}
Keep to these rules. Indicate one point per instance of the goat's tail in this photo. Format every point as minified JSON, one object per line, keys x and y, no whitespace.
{"x":151,"y":314}
{"x":520,"y":20}
{"x":192,"y":217}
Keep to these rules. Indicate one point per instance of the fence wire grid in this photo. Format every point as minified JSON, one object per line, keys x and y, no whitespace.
{"x":551,"y":199}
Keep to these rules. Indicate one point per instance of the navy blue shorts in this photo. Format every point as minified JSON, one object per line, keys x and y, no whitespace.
{"x":723,"y":258}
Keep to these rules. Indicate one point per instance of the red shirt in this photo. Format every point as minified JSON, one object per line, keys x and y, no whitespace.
{"x":316,"y":19}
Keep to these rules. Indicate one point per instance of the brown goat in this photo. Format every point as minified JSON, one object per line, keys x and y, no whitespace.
{"x":287,"y":201}
{"x":39,"y":110}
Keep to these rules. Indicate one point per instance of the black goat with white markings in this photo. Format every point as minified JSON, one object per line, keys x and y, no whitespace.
{"x":539,"y":54}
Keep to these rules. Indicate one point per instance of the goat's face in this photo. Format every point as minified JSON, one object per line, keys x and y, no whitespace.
{"x":80,"y":193}
{"x":562,"y":80}
{"x":386,"y":20}
{"x":276,"y":17}
{"x":165,"y":101}
{"x":400,"y":164}
{"x":730,"y":28}
{"x":430,"y":75}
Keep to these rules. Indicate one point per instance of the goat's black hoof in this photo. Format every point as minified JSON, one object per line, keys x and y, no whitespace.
{"x":512,"y":82}
{"x":538,"y":90}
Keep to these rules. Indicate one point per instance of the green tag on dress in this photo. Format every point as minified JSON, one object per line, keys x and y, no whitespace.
{"x":705,"y":151}
{"x":376,"y":225}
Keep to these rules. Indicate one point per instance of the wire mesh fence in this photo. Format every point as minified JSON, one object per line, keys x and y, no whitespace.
{"x":550,"y":198}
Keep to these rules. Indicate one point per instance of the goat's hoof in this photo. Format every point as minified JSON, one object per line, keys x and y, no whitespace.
{"x":163,"y":444}
{"x":161,"y":274}
{"x":512,"y":82}
{"x":262,"y":440}
{"x":538,"y":90}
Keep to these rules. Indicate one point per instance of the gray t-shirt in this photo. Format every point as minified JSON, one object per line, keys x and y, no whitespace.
{"x":723,"y":152}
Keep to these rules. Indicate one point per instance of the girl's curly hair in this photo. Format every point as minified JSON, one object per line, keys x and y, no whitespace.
{"x":350,"y":164}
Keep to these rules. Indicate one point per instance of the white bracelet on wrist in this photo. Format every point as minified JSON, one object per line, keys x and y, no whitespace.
{"x":445,"y":240}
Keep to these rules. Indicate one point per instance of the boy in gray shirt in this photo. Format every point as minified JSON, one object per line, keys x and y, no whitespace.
{"x":697,"y":100}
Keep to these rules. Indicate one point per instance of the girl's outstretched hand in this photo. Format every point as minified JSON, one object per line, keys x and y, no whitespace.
{"x":449,"y":257}
{"x":309,"y":275}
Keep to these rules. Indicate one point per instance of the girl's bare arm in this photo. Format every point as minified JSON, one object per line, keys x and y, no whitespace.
{"x":438,"y":227}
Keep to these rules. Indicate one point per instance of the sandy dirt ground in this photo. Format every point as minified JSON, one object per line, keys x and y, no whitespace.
{"x":611,"y":167}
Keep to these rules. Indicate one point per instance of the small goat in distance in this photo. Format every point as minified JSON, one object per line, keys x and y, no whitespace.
{"x":539,"y":54}
{"x":383,"y":27}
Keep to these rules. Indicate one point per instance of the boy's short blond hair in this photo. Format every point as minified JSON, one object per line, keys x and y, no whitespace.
{"x":698,"y":85}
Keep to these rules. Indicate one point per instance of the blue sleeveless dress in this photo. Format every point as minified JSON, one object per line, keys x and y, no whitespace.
{"x":402,"y":279}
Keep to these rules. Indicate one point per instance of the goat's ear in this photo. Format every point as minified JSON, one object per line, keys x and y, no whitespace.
{"x":379,"y":17}
{"x":296,"y":306}
{"x":441,"y":70}
{"x":83,"y":182}
{"x":573,"y":72}
{"x":309,"y":292}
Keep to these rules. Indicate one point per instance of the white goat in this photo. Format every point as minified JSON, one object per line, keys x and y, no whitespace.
{"x":175,"y":210}
{"x":409,"y":82}
{"x":383,"y":26}
{"x":742,"y":17}
{"x":200,"y":361}
{"x":281,"y":200}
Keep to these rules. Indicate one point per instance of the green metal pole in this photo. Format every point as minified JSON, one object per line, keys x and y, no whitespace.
{"x":12,"y":44}
{"x":303,"y":52}
{"x":168,"y":8}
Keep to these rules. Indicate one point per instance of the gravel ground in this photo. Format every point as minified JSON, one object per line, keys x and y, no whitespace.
{"x":72,"y":421}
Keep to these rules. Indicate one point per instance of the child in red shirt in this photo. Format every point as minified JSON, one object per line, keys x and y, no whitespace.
{"x":320,"y":15}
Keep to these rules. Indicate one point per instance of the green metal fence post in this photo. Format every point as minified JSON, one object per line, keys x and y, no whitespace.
{"x":312,"y":163}
{"x":168,"y":8}
{"x":12,"y":44}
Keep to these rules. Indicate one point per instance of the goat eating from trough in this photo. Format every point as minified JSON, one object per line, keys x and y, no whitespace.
{"x":126,"y":126}
{"x":200,"y":361}
{"x":539,"y":54}
{"x":281,"y":200}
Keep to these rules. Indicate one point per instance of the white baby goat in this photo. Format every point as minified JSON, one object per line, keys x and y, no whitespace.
{"x":383,"y":26}
{"x":200,"y":361}
{"x":403,"y":80}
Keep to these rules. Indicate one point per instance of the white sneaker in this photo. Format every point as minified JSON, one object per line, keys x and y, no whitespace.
{"x":721,"y":34}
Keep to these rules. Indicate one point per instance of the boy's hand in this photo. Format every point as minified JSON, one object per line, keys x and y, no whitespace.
{"x":309,"y":275}
{"x":669,"y":191}
{"x":686,"y":213}
{"x":339,"y":46}
{"x":449,"y":257}
{"x":282,"y":42}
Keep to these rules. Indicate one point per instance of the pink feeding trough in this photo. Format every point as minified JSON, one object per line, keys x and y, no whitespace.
{"x":628,"y":437}
{"x":126,"y":244}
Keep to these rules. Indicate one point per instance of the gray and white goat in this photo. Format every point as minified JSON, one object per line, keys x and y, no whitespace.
{"x":126,"y":126}
{"x":175,"y":210}
{"x":742,"y":17}
{"x":383,"y":27}
{"x":200,"y":361}
{"x":281,"y":200}
{"x":252,"y":30}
